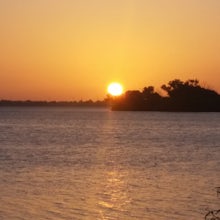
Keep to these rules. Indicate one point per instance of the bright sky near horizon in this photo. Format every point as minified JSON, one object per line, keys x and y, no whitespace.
{"x":72,"y":49}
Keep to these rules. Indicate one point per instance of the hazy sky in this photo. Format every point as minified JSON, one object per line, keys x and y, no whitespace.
{"x":72,"y":49}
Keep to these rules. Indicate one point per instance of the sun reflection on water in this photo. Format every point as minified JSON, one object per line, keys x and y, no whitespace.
{"x":113,"y":195}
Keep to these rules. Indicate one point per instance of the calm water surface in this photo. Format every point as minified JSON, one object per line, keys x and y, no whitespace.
{"x":94,"y":164}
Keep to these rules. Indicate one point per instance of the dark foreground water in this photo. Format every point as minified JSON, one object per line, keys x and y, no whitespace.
{"x":94,"y":164}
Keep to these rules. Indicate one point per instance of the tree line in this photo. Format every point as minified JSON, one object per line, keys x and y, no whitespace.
{"x":29,"y":103}
{"x":184,"y":96}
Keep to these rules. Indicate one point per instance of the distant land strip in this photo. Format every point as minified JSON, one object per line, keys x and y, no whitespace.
{"x":29,"y":103}
{"x":188,"y":96}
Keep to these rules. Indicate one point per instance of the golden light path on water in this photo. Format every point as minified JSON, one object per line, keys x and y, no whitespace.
{"x":115,"y":195}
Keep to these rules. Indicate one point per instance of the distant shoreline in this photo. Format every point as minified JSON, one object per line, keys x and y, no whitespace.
{"x":29,"y":103}
{"x":186,"y":96}
{"x":99,"y":104}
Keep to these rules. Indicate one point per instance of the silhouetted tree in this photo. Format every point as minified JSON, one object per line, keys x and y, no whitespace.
{"x":190,"y":96}
{"x":152,"y":100}
{"x":182,"y":96}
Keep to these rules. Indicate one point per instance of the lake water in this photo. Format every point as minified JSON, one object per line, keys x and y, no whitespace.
{"x":95,"y":164}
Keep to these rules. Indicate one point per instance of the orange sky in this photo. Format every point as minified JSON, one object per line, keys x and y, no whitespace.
{"x":72,"y":49}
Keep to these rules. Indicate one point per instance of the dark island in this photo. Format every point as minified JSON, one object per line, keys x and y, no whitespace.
{"x":188,"y":96}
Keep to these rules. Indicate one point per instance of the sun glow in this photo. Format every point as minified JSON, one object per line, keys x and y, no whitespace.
{"x":115,"y":89}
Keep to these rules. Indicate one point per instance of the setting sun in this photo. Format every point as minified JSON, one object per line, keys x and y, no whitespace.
{"x":115,"y":89}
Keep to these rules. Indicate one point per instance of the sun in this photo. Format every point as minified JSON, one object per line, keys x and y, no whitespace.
{"x":115,"y":89}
